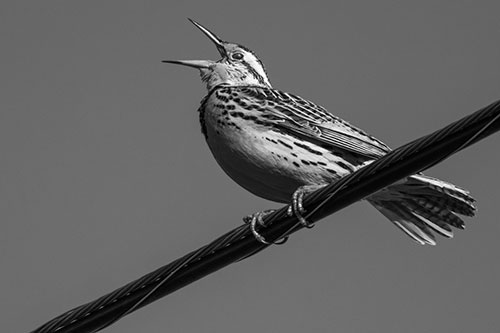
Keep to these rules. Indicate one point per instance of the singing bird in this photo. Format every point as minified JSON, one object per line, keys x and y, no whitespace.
{"x":280,"y":146}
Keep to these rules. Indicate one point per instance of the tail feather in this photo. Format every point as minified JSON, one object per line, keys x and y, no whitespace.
{"x":405,"y":221}
{"x":456,"y":196}
{"x":438,"y":223}
{"x":427,"y":209}
{"x":422,"y":206}
{"x":431,"y":201}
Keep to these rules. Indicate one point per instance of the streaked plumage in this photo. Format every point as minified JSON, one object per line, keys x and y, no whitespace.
{"x":272,"y":143}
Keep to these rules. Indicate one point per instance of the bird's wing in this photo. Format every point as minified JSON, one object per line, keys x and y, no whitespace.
{"x":302,"y":118}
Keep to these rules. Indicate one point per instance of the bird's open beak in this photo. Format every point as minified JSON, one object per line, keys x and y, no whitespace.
{"x":202,"y":63}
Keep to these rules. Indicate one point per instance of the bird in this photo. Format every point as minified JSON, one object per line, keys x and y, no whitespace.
{"x":281,"y":147}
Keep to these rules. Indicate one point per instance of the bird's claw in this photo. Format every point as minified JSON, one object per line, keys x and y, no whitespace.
{"x":258,"y":218}
{"x":297,"y":207}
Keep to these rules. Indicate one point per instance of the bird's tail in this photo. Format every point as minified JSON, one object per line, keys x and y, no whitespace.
{"x":421,"y":205}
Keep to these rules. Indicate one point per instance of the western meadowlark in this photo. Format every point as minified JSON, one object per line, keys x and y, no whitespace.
{"x":280,"y":146}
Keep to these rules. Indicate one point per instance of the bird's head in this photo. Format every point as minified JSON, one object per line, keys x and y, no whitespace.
{"x":238,"y":66}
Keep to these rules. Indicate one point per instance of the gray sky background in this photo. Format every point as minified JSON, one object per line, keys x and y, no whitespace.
{"x":105,"y":175}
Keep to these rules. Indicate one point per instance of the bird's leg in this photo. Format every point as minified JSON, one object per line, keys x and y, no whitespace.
{"x":258,"y":218}
{"x":296,"y":207}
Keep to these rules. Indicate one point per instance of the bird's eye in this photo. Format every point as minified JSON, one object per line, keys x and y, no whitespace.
{"x":237,"y":56}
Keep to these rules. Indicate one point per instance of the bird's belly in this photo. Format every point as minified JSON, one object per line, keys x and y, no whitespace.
{"x":269,"y":164}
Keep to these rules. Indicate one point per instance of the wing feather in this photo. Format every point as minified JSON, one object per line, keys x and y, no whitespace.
{"x":299,"y":117}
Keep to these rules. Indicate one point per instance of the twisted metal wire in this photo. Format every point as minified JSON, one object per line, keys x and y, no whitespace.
{"x":239,"y":243}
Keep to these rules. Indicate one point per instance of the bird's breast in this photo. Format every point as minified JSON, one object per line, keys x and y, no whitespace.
{"x":259,"y":158}
{"x":235,"y":137}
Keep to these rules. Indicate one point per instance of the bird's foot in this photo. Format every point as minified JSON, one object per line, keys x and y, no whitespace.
{"x":297,"y":208}
{"x":258,"y":218}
